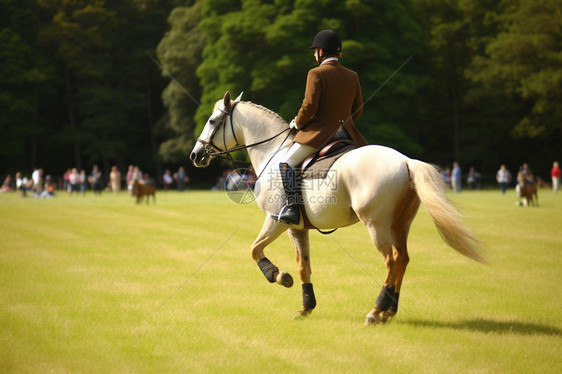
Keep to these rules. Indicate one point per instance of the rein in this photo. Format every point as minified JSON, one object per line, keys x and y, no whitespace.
{"x":213,"y":150}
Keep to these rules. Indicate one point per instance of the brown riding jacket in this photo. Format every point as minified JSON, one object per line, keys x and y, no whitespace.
{"x":332,"y":97}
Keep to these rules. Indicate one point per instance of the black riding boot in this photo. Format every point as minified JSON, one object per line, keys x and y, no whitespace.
{"x":290,"y":213}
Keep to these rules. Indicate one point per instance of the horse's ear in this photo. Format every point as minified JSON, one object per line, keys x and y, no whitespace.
{"x":226,"y":99}
{"x":239,"y":98}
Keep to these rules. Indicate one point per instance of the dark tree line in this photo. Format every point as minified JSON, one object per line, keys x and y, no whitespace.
{"x":132,"y":81}
{"x":78,"y":85}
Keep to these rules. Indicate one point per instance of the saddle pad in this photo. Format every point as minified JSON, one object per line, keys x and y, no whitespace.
{"x":320,"y":167}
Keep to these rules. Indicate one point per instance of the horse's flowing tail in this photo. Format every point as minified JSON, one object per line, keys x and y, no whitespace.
{"x":431,"y":190}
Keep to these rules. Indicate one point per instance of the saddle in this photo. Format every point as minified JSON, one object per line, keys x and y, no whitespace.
{"x":317,"y":166}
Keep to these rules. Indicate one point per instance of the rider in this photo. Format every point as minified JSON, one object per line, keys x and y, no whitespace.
{"x":525,"y":174}
{"x":332,"y":103}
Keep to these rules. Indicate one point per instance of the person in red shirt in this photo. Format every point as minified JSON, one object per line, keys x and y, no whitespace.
{"x":555,"y":173}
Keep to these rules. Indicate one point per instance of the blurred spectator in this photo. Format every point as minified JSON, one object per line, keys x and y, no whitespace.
{"x":146,"y":179}
{"x":96,"y":181}
{"x":20,"y":184}
{"x":527,"y":173}
{"x":446,"y":174}
{"x":181,"y":178}
{"x":26,"y":185}
{"x":168,"y":179}
{"x":82,"y":181}
{"x":66,"y":179}
{"x":129,"y":175}
{"x":19,"y":181}
{"x":115,"y":180}
{"x":473,"y":179}
{"x":456,"y":177}
{"x":37,"y":177}
{"x":73,"y":181}
{"x":135,"y":173}
{"x":555,"y":173}
{"x":250,"y":177}
{"x":235,"y":182}
{"x":7,"y":186}
{"x":49,"y":188}
{"x":503,"y":177}
{"x":221,"y":182}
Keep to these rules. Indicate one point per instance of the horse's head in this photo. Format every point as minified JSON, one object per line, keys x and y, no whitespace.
{"x":215,"y":132}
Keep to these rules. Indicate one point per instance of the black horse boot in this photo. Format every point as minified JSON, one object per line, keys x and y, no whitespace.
{"x":290,"y":213}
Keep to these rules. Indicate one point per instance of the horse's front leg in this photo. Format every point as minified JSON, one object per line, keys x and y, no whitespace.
{"x":270,"y":231}
{"x":301,"y":244}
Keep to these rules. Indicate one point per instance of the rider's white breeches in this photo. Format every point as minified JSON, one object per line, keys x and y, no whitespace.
{"x":297,"y":153}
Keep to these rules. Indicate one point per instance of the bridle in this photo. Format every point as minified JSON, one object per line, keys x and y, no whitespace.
{"x":212,"y":150}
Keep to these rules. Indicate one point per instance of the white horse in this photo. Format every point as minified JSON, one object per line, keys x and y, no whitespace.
{"x":373,"y":184}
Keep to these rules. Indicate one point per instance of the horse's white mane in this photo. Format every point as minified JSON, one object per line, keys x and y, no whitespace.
{"x":268,"y":111}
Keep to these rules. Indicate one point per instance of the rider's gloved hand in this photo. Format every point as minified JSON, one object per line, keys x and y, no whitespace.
{"x":293,"y":125}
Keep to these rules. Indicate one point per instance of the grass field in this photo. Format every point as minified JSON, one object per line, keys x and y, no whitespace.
{"x":97,"y":284}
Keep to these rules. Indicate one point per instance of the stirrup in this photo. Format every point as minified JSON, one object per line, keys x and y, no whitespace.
{"x":289,"y":214}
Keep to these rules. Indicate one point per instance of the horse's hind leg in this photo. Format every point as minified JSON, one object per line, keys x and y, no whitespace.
{"x":301,"y":244}
{"x":383,"y":241}
{"x":396,"y":260}
{"x":270,"y":231}
{"x":401,"y":260}
{"x":400,"y":232}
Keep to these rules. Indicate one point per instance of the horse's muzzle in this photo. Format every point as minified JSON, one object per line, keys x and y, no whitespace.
{"x":199,"y":156}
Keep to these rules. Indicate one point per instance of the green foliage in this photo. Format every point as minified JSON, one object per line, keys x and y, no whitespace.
{"x":91,"y":92}
{"x":524,"y":60}
{"x":79,"y":84}
{"x":17,"y":75}
{"x":179,"y":52}
{"x":255,"y":47}
{"x":22,"y":71}
{"x":496,"y":81}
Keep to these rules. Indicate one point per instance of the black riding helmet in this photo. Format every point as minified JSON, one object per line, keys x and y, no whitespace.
{"x":328,"y":40}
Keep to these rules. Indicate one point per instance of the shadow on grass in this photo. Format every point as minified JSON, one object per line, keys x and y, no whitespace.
{"x":490,"y":326}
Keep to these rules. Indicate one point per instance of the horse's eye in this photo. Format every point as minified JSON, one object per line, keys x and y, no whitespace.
{"x":212,"y":121}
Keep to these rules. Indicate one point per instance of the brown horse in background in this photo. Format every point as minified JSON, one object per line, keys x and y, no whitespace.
{"x":527,"y":190}
{"x":141,"y":189}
